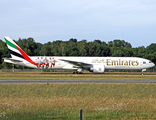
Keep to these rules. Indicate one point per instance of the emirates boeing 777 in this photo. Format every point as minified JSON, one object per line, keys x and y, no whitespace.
{"x":92,"y":64}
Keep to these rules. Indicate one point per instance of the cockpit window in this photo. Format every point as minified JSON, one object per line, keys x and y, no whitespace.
{"x":144,"y":62}
{"x":150,"y":62}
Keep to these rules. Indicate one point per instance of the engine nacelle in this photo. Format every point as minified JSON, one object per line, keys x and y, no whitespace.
{"x":97,"y":69}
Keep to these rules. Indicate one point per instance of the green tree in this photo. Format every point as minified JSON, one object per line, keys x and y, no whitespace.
{"x":151,"y":48}
{"x":105,"y":50}
{"x":28,"y":45}
{"x":141,"y":51}
{"x":82,"y":46}
{"x":119,"y":43}
{"x":127,"y":52}
{"x":73,"y":40}
{"x":72,"y":47}
{"x":118,"y":53}
{"x":75,"y":52}
{"x":46,"y":50}
{"x":37,"y":49}
{"x":56,"y":49}
{"x":6,"y":65}
{"x":90,"y":49}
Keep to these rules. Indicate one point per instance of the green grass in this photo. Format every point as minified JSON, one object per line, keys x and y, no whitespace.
{"x":70,"y":76}
{"x":64,"y":101}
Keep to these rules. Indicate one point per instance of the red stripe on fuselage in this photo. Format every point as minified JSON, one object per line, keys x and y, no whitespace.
{"x":26,"y":57}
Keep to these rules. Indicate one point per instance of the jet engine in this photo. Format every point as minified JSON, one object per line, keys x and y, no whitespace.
{"x":97,"y":69}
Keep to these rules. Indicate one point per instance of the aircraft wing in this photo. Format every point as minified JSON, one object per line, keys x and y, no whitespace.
{"x":77,"y":63}
{"x":13,"y":60}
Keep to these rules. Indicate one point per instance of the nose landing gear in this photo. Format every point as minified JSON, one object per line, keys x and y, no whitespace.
{"x":143,"y":71}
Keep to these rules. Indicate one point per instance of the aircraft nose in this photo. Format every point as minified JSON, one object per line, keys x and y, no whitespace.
{"x":153,"y":64}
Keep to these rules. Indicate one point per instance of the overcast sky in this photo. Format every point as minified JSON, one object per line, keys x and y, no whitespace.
{"x":46,"y":20}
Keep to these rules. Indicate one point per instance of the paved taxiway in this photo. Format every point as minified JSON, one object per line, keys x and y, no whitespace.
{"x":76,"y":81}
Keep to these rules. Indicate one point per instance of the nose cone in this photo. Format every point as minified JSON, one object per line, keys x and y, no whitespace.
{"x":153,"y":64}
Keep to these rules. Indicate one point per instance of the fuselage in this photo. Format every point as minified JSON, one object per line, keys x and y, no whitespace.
{"x":126,"y":63}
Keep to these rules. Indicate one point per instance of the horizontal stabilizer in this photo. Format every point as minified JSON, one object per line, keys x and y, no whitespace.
{"x":13,"y":60}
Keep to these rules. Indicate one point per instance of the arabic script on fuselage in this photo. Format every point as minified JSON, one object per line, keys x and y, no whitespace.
{"x":118,"y":62}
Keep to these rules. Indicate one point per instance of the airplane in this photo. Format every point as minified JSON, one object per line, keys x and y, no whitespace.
{"x":77,"y":64}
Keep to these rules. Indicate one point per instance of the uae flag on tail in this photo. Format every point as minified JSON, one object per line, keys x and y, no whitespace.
{"x":16,"y":52}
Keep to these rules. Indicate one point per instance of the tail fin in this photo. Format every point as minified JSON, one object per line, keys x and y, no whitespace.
{"x":16,"y":52}
{"x":13,"y":48}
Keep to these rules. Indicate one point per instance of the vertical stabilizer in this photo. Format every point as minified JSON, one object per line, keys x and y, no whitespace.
{"x":13,"y":48}
{"x":16,"y":52}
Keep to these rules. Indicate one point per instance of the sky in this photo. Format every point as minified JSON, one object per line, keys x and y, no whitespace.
{"x":49,"y":20}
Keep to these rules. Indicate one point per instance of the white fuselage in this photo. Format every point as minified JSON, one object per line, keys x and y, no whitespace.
{"x":127,"y":63}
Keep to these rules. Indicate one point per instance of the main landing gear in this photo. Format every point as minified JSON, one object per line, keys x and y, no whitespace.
{"x":77,"y":72}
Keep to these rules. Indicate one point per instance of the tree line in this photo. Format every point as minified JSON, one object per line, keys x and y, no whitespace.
{"x":72,"y":47}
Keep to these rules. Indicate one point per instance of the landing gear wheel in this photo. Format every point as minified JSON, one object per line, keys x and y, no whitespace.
{"x":77,"y":72}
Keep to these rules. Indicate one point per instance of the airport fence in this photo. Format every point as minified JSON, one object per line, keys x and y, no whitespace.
{"x":60,"y":70}
{"x":34,"y":70}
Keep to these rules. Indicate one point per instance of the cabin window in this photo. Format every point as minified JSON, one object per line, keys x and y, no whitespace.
{"x":144,"y":62}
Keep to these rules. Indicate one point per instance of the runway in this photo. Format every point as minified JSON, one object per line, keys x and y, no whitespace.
{"x":75,"y":81}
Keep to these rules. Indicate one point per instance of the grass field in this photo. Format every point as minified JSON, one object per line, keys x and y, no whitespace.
{"x":70,"y":76}
{"x":64,"y":101}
